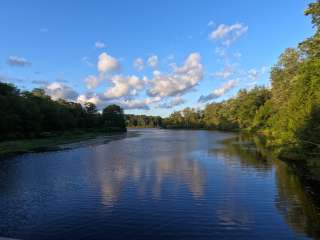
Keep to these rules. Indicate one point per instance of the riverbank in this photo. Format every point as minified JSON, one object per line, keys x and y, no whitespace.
{"x":56,"y":142}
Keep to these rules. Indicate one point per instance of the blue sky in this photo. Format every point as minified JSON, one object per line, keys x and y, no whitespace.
{"x":186,"y":53}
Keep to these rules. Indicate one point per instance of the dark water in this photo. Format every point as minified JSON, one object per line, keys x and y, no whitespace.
{"x":158,"y":184}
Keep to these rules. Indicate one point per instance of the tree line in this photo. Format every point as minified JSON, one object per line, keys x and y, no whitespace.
{"x":143,"y":121}
{"x":288,"y":112}
{"x":31,"y":114}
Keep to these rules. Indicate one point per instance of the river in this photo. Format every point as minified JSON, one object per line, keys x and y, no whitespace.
{"x":156,"y":184}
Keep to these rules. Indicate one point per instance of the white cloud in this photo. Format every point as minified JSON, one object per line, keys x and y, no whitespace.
{"x":99,"y":44}
{"x":253,"y":74}
{"x":124,"y":86}
{"x":92,"y":81}
{"x":138,"y":64}
{"x":18,"y":61}
{"x":58,"y":90}
{"x":134,"y":104}
{"x":173,"y":102}
{"x":216,"y":93}
{"x":228,"y":33}
{"x":107,"y":63}
{"x":93,"y":99}
{"x":227,"y":72}
{"x":139,"y":103}
{"x":153,"y":61}
{"x":221,"y":51}
{"x":180,"y":80}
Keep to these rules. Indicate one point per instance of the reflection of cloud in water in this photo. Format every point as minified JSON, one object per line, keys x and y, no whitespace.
{"x":147,"y":164}
{"x":233,"y":217}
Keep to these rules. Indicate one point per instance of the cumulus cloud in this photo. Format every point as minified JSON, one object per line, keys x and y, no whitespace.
{"x":228,"y":33}
{"x":138,"y":64}
{"x":107,"y":63}
{"x":83,"y":98}
{"x":124,"y":86}
{"x":134,"y":104}
{"x":99,"y":44}
{"x":216,"y":93}
{"x":129,"y":103}
{"x":92,"y":81}
{"x":58,"y":90}
{"x":139,"y":103}
{"x":180,"y":80}
{"x":172,"y":103}
{"x":18,"y":61}
{"x":153,"y":61}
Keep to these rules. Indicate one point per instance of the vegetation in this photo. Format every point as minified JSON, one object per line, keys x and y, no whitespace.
{"x":288,"y":113}
{"x":246,"y":111}
{"x":143,"y":121}
{"x":34,"y":114}
{"x":56,"y":141}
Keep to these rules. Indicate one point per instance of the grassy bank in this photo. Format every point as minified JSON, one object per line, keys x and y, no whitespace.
{"x":53,"y":142}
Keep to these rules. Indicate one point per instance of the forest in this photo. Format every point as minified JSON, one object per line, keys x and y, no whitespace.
{"x":34,"y":114}
{"x":143,"y":121}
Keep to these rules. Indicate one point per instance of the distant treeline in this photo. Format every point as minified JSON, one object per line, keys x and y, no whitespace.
{"x":34,"y":114}
{"x":288,"y":112}
{"x":143,"y":121}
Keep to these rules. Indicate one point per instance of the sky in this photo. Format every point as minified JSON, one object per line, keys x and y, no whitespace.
{"x":150,"y":57}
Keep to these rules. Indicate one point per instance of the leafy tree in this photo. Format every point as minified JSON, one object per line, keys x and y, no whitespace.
{"x":113,"y":118}
{"x":33,"y":114}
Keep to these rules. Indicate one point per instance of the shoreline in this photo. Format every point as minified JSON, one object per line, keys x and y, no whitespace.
{"x":58,"y":142}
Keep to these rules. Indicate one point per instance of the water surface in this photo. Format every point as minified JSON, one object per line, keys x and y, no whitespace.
{"x":155,"y":184}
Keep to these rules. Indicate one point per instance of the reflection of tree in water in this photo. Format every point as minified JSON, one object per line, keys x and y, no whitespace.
{"x":146,"y":165}
{"x":294,"y":203}
{"x":292,"y":200}
{"x":246,"y":151}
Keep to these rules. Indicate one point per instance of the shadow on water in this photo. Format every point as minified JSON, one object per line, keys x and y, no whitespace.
{"x":300,"y":210}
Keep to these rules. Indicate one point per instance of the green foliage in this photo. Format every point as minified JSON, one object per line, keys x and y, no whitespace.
{"x":233,"y":114}
{"x":113,"y":118}
{"x":32,"y":114}
{"x":188,"y":118}
{"x":143,"y":121}
{"x":288,"y":113}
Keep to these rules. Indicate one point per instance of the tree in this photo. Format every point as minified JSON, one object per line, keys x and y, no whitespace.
{"x":113,"y":118}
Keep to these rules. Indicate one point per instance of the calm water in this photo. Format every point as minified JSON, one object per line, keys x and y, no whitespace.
{"x":155,"y":184}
